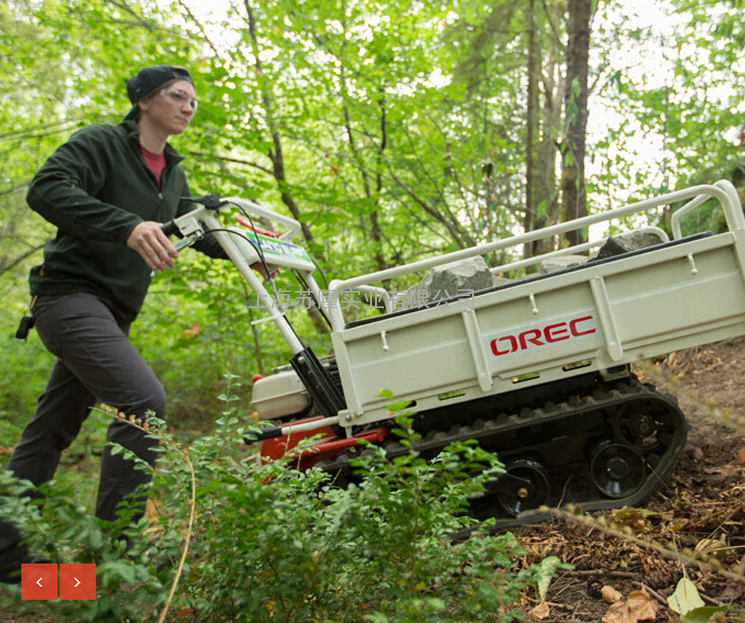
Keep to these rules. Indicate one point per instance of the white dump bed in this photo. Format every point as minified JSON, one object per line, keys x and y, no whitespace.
{"x":599,"y":316}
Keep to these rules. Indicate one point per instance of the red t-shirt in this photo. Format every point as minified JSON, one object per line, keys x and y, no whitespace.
{"x":155,"y":162}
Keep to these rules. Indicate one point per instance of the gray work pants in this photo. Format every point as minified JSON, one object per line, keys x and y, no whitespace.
{"x":95,"y":362}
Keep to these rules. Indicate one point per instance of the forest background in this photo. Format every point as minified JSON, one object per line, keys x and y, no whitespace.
{"x":391,"y":131}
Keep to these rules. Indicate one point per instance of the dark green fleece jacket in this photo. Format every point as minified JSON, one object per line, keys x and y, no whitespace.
{"x":96,"y":188}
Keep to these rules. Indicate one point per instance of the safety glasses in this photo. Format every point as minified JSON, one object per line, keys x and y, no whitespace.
{"x":177,"y":95}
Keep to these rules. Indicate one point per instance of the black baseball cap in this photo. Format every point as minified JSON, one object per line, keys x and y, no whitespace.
{"x":150,"y":79}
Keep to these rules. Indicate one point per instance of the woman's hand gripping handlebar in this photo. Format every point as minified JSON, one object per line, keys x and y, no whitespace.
{"x":151,"y":241}
{"x":191,"y":234}
{"x":152,"y":245}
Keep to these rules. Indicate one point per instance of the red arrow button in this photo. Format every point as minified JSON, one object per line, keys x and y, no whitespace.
{"x":77,"y":581}
{"x":39,"y":581}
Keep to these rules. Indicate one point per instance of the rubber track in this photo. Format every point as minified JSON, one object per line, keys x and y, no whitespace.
{"x":488,"y":432}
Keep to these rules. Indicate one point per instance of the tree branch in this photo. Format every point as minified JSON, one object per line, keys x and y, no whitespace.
{"x":454,"y":232}
{"x":8,"y":265}
{"x":201,"y":154}
{"x":13,"y":190}
{"x":201,"y":28}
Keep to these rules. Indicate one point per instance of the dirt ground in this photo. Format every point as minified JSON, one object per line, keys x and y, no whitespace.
{"x":693,"y":526}
{"x":695,"y":518}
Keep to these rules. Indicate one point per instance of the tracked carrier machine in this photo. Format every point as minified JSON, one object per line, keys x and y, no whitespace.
{"x":536,"y":369}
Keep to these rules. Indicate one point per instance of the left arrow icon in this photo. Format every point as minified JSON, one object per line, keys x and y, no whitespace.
{"x":38,"y":582}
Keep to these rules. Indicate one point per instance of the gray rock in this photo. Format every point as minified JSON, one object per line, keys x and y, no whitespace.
{"x":443,"y":282}
{"x":560,"y":262}
{"x":631,"y":241}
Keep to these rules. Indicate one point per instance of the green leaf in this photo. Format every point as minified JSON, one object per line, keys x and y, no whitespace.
{"x":703,"y":615}
{"x":685,"y":598}
{"x":399,"y":405}
{"x":545,"y":575}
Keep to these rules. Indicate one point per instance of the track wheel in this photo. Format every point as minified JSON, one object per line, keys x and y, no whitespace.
{"x":641,"y":428}
{"x":530,"y":496}
{"x":617,"y":469}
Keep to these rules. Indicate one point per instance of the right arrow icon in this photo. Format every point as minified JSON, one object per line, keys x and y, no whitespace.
{"x":77,"y":581}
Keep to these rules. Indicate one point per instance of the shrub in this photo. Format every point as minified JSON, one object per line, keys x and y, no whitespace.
{"x":271,"y":544}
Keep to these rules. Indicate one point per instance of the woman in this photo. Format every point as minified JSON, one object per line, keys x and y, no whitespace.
{"x":107,"y":189}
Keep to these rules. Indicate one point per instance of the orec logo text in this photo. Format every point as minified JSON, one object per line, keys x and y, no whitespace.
{"x":556,"y":332}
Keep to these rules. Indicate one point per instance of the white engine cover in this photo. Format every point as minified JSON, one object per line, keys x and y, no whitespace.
{"x":279,"y":395}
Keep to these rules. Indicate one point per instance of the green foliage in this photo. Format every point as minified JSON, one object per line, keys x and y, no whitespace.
{"x":270,"y":543}
{"x":381,"y":150}
{"x":302,"y":549}
{"x":26,"y":367}
{"x":395,"y":131}
{"x":679,"y":113}
{"x":60,"y":527}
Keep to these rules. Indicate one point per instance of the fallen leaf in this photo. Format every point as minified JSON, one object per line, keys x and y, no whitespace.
{"x":732,"y":590}
{"x":610,"y":594}
{"x":634,"y":518}
{"x":740,"y":457}
{"x":540,"y":612}
{"x":730,"y":469}
{"x":638,"y":607}
{"x":715,"y":548}
{"x":152,"y":510}
{"x":192,"y":331}
{"x":685,"y":598}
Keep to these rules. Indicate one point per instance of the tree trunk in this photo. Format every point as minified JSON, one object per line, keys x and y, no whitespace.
{"x":531,"y":129}
{"x":546,"y":195}
{"x":275,"y":155}
{"x":377,"y":234}
{"x":574,"y":198}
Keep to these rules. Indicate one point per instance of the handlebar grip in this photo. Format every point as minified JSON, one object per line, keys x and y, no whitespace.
{"x":169,"y":228}
{"x":211,"y":202}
